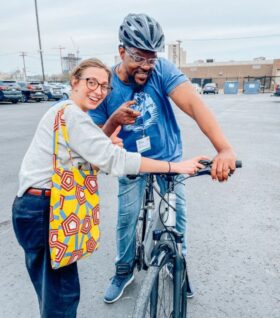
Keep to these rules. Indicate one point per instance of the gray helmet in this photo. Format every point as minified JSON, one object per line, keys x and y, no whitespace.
{"x":142,"y":32}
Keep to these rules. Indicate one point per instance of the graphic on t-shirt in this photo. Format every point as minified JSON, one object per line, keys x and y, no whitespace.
{"x":149,"y":114}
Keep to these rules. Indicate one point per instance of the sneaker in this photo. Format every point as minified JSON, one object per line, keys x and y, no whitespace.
{"x":117,"y":286}
{"x":169,"y":271}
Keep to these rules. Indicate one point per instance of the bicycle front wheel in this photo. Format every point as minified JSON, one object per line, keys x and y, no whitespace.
{"x":156,"y":297}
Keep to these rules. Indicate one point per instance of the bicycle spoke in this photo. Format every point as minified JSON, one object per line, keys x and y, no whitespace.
{"x":164,"y":304}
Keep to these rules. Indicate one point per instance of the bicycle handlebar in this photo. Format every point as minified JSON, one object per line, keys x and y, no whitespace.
{"x":208,"y":166}
{"x":202,"y":171}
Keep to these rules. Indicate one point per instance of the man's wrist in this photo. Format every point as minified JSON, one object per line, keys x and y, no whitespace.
{"x":109,"y":127}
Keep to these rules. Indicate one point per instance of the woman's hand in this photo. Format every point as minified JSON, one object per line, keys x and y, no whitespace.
{"x":115,"y":139}
{"x":190,"y":166}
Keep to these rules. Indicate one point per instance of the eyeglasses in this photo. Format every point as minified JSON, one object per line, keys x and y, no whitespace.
{"x":140,"y":59}
{"x":92,"y":84}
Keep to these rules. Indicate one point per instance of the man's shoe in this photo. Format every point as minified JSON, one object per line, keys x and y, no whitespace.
{"x":117,"y":286}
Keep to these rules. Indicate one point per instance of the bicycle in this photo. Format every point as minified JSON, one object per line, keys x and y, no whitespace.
{"x":159,"y":251}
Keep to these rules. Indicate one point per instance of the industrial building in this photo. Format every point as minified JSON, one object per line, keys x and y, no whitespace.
{"x":266,"y":72}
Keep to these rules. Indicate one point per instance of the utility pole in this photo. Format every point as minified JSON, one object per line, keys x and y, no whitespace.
{"x":60,"y":48}
{"x":179,"y":49}
{"x":23,"y":54}
{"x":39,"y":38}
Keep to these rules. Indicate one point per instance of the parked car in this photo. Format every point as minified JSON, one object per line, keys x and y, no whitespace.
{"x":277,"y":90}
{"x":197,"y":87}
{"x":66,"y":90}
{"x":31,"y":91}
{"x":210,"y":88}
{"x":10,"y":92}
{"x":52,"y":91}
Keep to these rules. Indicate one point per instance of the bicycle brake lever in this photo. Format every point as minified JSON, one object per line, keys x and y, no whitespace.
{"x":206,"y":163}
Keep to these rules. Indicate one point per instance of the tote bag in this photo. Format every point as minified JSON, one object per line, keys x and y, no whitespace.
{"x":74,"y":207}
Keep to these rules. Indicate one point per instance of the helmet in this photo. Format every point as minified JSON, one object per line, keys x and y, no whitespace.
{"x":142,"y":32}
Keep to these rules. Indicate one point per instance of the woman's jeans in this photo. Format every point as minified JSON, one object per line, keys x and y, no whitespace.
{"x":130,"y":200}
{"x":58,"y":290}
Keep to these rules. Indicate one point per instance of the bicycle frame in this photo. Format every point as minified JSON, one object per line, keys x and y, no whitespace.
{"x":151,"y":221}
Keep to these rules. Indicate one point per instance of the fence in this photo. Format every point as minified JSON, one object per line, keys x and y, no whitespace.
{"x":267,"y":83}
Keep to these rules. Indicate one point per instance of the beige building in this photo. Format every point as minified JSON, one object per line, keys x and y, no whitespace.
{"x":177,"y":55}
{"x":266,"y":71}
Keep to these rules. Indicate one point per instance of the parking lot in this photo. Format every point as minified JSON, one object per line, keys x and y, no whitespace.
{"x":233,"y":228}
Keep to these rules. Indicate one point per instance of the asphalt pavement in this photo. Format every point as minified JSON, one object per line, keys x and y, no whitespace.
{"x":233,"y":227}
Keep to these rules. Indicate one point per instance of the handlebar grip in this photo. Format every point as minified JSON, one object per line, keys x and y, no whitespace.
{"x":238,"y":164}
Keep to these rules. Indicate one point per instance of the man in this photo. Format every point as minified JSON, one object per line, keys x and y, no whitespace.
{"x":145,"y":83}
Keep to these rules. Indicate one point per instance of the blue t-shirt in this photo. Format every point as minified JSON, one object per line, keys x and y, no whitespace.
{"x":157,"y":119}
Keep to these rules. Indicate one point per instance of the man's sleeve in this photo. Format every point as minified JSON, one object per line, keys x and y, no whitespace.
{"x":99,"y":115}
{"x":171,"y":76}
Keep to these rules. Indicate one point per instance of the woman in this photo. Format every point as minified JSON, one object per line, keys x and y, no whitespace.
{"x":58,"y":290}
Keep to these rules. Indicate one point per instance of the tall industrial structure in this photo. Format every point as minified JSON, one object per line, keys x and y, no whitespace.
{"x":69,"y":62}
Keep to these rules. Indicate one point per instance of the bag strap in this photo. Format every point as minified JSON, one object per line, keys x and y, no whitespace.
{"x":60,"y":122}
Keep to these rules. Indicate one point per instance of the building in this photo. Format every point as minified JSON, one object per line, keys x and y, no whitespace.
{"x":266,"y":71}
{"x":173,"y":55}
{"x":69,"y":62}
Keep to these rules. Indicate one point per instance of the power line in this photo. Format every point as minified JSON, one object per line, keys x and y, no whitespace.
{"x":233,"y":38}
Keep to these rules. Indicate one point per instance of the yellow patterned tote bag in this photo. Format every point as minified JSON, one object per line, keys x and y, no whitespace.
{"x":74,"y":207}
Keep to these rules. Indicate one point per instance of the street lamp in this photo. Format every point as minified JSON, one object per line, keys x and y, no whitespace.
{"x":39,"y":38}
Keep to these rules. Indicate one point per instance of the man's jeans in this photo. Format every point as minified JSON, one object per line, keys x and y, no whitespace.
{"x":130,"y":199}
{"x":58,"y":290}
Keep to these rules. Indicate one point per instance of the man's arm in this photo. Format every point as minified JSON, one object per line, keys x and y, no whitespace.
{"x":189,"y":101}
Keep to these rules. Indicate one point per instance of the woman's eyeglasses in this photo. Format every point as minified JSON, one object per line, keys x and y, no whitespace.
{"x":92,"y":84}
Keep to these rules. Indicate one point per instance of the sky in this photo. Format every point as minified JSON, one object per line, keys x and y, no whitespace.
{"x":220,"y":29}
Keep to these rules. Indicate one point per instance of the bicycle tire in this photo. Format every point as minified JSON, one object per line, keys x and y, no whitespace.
{"x":142,"y":305}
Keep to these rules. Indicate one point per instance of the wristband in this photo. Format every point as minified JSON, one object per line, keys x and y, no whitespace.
{"x":169,"y":167}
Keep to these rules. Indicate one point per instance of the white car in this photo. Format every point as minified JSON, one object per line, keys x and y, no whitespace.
{"x":66,"y":89}
{"x":197,"y":87}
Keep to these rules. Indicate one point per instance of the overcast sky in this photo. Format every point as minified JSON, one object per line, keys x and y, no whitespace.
{"x":220,"y":29}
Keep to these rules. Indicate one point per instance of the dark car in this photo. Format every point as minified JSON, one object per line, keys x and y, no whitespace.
{"x":10,"y":92}
{"x":210,"y":88}
{"x":31,"y":91}
{"x":277,"y":90}
{"x":52,"y":91}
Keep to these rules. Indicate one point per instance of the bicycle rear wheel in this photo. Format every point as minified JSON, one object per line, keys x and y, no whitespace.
{"x":155,"y":299}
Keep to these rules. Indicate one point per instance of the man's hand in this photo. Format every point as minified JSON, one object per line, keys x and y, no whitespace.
{"x":124,"y":115}
{"x":115,"y":139}
{"x":223,"y":165}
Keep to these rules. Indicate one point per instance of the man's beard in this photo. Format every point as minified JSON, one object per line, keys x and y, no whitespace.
{"x":137,"y":86}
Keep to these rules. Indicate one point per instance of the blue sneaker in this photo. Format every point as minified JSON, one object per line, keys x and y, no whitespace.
{"x":117,"y":286}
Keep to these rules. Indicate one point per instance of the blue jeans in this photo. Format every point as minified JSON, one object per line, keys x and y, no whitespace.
{"x":130,"y":199}
{"x":58,"y":291}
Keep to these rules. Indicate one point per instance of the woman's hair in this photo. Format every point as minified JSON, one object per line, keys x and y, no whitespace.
{"x":92,"y":62}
